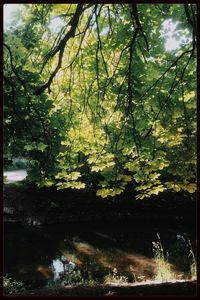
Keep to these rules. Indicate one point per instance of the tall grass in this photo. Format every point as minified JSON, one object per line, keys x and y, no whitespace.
{"x":163,"y":269}
{"x":193,"y":265}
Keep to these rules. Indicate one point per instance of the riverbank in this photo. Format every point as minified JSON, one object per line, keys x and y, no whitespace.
{"x":182,"y":288}
{"x":99,"y":236}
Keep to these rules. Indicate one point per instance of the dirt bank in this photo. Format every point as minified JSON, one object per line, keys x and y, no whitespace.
{"x":187,"y":288}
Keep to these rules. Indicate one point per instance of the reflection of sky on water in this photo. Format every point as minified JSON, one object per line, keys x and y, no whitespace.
{"x":180,"y":237}
{"x":57,"y":268}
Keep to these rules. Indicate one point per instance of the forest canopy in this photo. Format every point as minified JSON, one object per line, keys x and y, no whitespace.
{"x":102,"y":96}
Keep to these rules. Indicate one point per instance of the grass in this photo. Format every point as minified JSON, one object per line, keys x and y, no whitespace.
{"x":164,"y":271}
{"x":193,"y":265}
{"x":115,"y":277}
{"x":12,"y":287}
{"x":163,"y":268}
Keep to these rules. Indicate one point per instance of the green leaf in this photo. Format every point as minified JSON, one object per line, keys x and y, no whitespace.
{"x":41,"y":147}
{"x":29,"y":147}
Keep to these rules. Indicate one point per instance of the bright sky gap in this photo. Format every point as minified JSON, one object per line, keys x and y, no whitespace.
{"x":169,"y":31}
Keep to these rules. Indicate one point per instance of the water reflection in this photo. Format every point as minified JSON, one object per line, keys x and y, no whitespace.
{"x":36,"y":255}
{"x":58,"y":268}
{"x":62,"y":267}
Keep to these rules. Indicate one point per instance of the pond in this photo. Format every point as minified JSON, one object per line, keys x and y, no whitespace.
{"x":74,"y":253}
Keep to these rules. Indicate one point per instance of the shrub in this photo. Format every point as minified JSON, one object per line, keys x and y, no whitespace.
{"x":12,"y":287}
{"x":18,"y":163}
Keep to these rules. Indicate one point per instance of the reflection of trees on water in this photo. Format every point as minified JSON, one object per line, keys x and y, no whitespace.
{"x":38,"y":254}
{"x":28,"y":254}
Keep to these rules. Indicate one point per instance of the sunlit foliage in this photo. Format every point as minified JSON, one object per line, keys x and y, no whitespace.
{"x":95,"y":97}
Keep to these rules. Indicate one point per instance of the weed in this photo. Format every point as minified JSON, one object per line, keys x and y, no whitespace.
{"x":11,"y":286}
{"x":5,"y":179}
{"x":115,"y":277}
{"x":163,"y":268}
{"x":193,"y":265}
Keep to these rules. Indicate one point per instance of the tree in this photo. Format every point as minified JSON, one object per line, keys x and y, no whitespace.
{"x":93,"y":98}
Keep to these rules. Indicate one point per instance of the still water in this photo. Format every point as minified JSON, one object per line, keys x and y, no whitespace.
{"x":38,"y":255}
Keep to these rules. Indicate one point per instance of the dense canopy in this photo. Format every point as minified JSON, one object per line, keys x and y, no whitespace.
{"x":102,"y":96}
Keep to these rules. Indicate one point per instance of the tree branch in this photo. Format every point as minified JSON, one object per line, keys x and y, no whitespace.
{"x":61,"y":47}
{"x":188,"y":15}
{"x":135,"y":15}
{"x":191,"y":21}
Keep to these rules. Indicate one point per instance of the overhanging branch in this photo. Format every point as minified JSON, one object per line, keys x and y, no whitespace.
{"x":61,"y":47}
